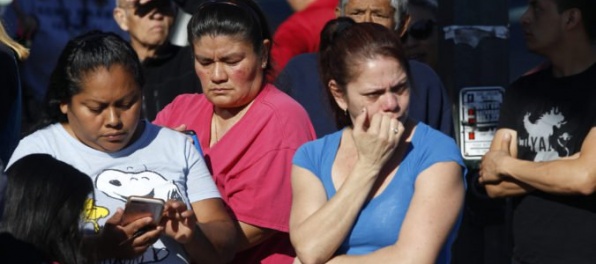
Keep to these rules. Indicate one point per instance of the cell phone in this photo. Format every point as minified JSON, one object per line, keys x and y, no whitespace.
{"x":138,"y":207}
{"x":195,"y":140}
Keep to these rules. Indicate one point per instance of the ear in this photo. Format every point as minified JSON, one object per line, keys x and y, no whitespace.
{"x":573,"y":18}
{"x":404,"y":24}
{"x":120,"y":17}
{"x":64,"y":108}
{"x":337,"y":11}
{"x":265,"y":53}
{"x":338,"y":95}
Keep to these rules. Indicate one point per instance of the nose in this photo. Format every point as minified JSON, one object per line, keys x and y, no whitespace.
{"x":156,"y":13}
{"x":389,"y":102}
{"x":113,"y":118}
{"x":219,"y":73}
{"x":368,"y":17}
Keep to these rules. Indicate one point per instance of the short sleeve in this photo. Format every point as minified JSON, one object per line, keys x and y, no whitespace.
{"x":442,"y":149}
{"x":28,"y":145}
{"x":199,"y":177}
{"x":303,"y":158}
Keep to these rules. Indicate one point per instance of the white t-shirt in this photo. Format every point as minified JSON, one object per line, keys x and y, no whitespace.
{"x":162,"y":163}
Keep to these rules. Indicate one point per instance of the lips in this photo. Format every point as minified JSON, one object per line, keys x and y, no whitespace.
{"x":157,"y":28}
{"x":115,"y":137}
{"x":219,"y":90}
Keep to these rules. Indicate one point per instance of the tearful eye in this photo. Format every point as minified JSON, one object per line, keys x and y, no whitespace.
{"x":115,"y":182}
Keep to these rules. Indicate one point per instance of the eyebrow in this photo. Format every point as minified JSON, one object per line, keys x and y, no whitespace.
{"x":378,"y":88}
{"x":131,"y":96}
{"x":233,"y":55}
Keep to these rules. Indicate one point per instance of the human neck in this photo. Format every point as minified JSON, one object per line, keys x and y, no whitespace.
{"x":572,"y":59}
{"x":144,"y":51}
{"x":231,"y":113}
{"x":224,"y":119}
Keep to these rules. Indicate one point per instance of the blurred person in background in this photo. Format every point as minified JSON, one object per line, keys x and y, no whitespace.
{"x":421,"y":37}
{"x":300,"y":33}
{"x":301,"y":78}
{"x":11,"y":53}
{"x":543,"y":152}
{"x":44,"y":27}
{"x":168,"y":69}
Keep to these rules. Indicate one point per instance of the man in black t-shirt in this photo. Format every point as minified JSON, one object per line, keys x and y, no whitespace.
{"x":544,"y":152}
{"x":168,"y":69}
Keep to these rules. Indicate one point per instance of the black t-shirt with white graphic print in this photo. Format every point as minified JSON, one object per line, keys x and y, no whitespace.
{"x":552,"y":117}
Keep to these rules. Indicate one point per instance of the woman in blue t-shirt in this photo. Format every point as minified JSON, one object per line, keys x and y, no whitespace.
{"x":385,"y":188}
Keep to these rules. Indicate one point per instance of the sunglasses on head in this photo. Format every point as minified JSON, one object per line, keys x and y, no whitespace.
{"x":420,"y":30}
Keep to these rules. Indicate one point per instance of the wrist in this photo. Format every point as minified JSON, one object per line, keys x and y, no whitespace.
{"x":189,"y":240}
{"x":505,"y":167}
{"x":367,"y":167}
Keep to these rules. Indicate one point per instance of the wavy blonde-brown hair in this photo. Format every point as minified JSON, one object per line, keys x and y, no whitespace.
{"x":21,"y":51}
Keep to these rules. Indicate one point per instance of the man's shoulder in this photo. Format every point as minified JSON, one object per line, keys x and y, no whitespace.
{"x":532,"y":78}
{"x":423,"y":73}
{"x":425,"y":80}
{"x":305,"y":60}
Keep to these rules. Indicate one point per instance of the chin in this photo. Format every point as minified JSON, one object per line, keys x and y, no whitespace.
{"x":110,"y":147}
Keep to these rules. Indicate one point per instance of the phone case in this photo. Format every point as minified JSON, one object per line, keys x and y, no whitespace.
{"x":139,"y":207}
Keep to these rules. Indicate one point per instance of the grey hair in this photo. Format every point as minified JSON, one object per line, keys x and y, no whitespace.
{"x":401,"y":6}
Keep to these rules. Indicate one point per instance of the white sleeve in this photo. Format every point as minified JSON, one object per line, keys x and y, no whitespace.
{"x":29,"y":145}
{"x":199,"y":182}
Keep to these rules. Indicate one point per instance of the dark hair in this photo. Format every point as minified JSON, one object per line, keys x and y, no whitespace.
{"x":241,"y":18}
{"x":588,"y":10}
{"x":430,"y":5}
{"x":345,"y":45}
{"x":83,"y":55}
{"x":44,"y":202}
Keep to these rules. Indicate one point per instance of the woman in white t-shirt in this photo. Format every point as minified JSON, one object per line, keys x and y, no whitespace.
{"x":93,"y":123}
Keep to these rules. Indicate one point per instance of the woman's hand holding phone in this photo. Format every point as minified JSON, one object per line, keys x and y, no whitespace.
{"x":178,"y":221}
{"x":118,"y":240}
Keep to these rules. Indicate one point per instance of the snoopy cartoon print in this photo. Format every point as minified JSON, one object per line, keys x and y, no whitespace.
{"x":120,"y":185}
